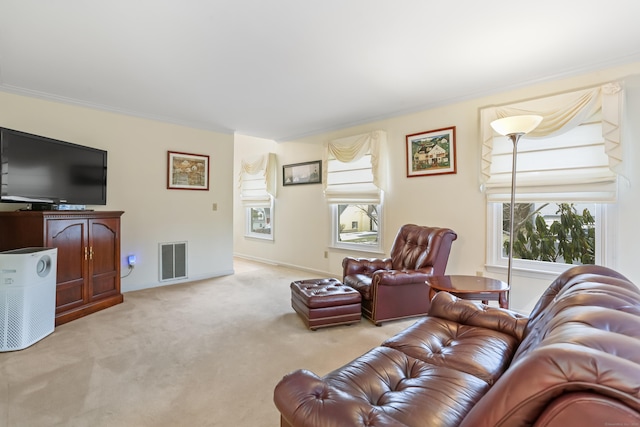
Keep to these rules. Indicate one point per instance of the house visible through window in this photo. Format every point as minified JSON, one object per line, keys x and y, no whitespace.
{"x":357,"y":224}
{"x":260,"y":220}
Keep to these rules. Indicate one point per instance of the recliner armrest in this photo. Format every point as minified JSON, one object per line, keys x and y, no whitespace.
{"x":366,"y":266}
{"x":401,"y":277}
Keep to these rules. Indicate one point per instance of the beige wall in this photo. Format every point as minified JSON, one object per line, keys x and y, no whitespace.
{"x":302,"y":220}
{"x":137,"y":181}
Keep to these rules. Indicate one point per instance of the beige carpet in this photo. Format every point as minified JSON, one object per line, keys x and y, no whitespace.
{"x":207,"y":353}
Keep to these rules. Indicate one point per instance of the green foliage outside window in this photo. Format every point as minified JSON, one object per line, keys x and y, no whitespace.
{"x":569,"y":239}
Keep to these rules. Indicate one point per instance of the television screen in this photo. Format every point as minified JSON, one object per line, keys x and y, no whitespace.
{"x":36,"y":169}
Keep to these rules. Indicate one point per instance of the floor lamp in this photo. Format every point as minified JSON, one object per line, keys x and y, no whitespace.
{"x":514,"y":127}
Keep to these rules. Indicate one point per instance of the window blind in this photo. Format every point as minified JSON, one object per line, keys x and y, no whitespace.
{"x":568,"y":167}
{"x":572,"y":156}
{"x":257,"y":180}
{"x":355,"y":169}
{"x":351,"y":182}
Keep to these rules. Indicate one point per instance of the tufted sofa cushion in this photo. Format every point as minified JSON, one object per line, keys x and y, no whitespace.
{"x":380,"y":388}
{"x":391,"y":381}
{"x":463,"y":335}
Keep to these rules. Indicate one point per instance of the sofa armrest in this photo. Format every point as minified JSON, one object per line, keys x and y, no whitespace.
{"x":446,"y":306}
{"x":305,"y":400}
{"x":368,"y":266}
{"x":401,"y":277}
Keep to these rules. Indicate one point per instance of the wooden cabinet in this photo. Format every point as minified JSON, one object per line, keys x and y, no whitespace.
{"x":88,"y":271}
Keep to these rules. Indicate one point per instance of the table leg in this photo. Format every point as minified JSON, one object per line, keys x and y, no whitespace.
{"x":504,"y":301}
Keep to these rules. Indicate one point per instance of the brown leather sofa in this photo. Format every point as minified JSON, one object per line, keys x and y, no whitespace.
{"x":574,"y":361}
{"x":394,"y":288}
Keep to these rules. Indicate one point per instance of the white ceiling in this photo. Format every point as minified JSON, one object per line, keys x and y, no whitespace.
{"x":280,"y":69}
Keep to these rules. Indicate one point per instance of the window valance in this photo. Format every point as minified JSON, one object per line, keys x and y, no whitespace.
{"x":577,"y":147}
{"x":355,"y":168}
{"x":258,"y":180}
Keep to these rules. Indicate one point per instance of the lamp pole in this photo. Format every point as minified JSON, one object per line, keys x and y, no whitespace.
{"x":513,"y":128}
{"x":514,"y":137}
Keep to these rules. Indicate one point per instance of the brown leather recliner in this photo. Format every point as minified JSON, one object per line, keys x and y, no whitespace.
{"x":394,"y":287}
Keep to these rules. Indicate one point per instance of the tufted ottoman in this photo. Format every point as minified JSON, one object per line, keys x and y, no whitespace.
{"x":325,"y":302}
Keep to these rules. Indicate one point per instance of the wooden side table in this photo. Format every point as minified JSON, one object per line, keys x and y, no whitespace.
{"x":471,"y":287}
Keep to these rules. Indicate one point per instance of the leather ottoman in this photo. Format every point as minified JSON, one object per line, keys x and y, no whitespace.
{"x":325,"y":302}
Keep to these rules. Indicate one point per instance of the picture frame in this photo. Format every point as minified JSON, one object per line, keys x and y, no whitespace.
{"x":432,"y":152}
{"x":186,"y":171}
{"x":302,"y":173}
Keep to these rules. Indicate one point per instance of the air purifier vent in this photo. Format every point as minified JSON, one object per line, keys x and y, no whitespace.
{"x":27,"y":296}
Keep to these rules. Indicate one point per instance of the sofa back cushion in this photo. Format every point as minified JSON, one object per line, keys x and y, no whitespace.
{"x":585,"y":286}
{"x":583,"y":337}
{"x":596,"y":352}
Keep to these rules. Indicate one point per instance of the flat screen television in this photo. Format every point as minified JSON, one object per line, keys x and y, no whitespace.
{"x":45,"y":172}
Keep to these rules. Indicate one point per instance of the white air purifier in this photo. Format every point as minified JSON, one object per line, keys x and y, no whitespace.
{"x":27,"y":296}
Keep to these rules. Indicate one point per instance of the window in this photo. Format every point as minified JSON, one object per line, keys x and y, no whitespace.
{"x":566,"y":183}
{"x":356,"y":226}
{"x":257,"y":191}
{"x":259,"y":223}
{"x":550,"y":236}
{"x":353,"y":187}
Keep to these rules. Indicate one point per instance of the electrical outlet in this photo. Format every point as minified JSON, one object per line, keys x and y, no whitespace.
{"x":326,"y":254}
{"x":214,"y":207}
{"x":131,"y":260}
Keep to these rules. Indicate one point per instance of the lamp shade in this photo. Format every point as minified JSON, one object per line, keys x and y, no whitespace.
{"x":516,"y":124}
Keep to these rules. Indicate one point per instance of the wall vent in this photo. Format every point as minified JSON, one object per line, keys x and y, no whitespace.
{"x":173,"y":261}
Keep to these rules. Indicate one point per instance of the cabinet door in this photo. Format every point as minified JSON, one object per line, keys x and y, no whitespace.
{"x":104,"y":253}
{"x":70,"y":237}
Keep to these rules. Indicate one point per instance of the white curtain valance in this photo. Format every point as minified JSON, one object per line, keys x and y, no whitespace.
{"x":353,"y":149}
{"x":561,"y":113}
{"x":257,"y":179}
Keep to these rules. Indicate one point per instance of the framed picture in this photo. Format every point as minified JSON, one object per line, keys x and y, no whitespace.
{"x":302,"y":173}
{"x":432,"y":152}
{"x":187,"y":171}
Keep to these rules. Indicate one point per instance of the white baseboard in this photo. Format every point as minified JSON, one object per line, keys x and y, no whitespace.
{"x":139,"y":287}
{"x":319,"y":273}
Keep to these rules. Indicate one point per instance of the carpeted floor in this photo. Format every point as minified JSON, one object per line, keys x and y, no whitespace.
{"x":206,"y":353}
